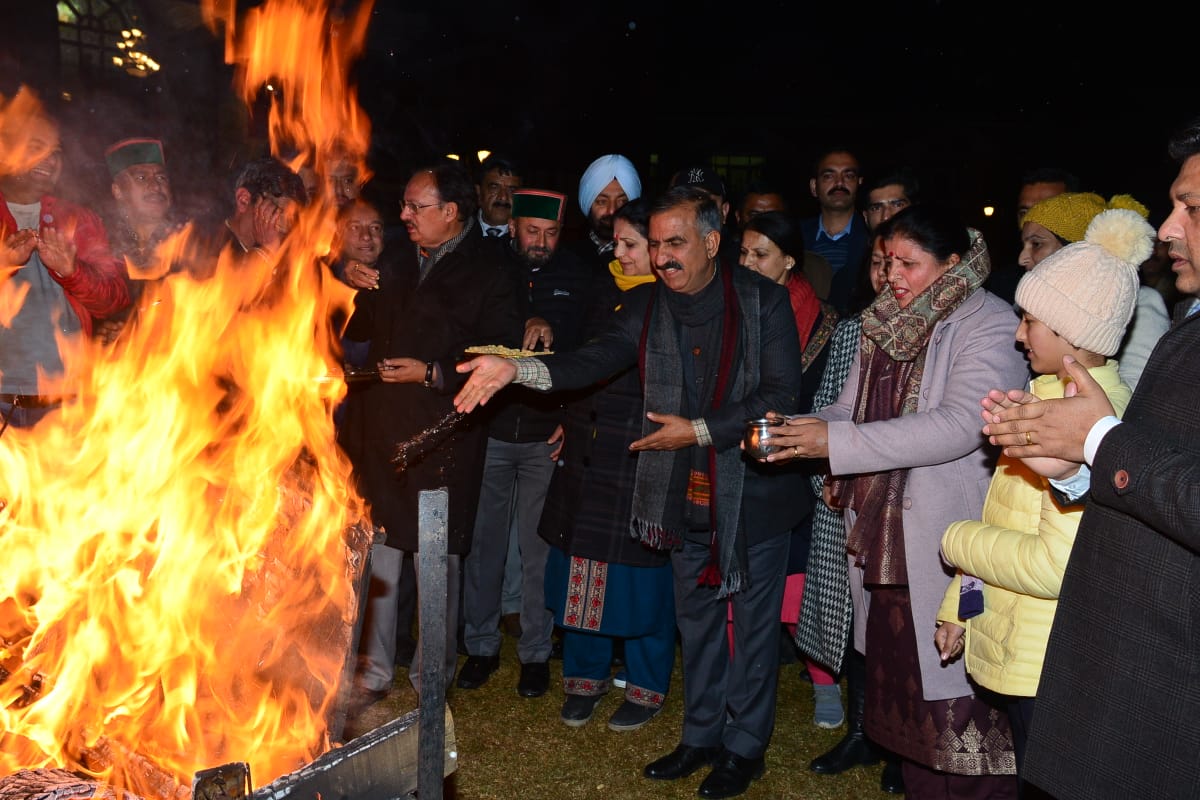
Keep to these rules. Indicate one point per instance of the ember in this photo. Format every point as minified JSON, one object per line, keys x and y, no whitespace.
{"x":182,"y":548}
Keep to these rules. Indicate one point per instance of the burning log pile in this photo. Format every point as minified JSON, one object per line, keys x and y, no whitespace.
{"x":183,"y":550}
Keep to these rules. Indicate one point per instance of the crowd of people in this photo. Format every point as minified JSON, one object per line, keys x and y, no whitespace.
{"x":976,"y":501}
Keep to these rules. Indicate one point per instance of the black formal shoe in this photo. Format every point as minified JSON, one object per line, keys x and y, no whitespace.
{"x":680,"y":762}
{"x":731,"y":775}
{"x":476,"y":670}
{"x":630,"y":716}
{"x":577,"y":709}
{"x":892,"y":780}
{"x":535,"y":679}
{"x":854,"y":750}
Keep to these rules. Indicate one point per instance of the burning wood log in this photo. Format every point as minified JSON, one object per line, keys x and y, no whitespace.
{"x":56,"y":784}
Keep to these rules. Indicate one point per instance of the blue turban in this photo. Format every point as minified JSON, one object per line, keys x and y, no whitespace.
{"x":601,"y":172}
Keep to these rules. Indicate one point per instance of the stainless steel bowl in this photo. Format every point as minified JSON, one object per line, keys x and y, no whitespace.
{"x":758,"y":438}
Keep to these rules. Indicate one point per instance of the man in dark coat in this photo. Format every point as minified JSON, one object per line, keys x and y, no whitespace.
{"x":716,"y":345}
{"x":524,"y":439}
{"x":1118,"y":705}
{"x":452,"y":291}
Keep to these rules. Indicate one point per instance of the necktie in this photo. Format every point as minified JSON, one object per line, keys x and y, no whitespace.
{"x":494,"y":231}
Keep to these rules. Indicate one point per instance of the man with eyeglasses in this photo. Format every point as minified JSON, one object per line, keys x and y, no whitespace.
{"x":836,"y":233}
{"x":452,"y":290}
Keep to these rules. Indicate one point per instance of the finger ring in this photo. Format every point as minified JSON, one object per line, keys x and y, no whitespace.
{"x":1028,"y":438}
{"x":796,"y":450}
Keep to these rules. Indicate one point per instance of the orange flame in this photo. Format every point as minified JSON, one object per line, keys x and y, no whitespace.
{"x":178,"y":578}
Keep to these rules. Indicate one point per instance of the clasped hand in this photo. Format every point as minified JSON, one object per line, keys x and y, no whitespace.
{"x":56,"y":249}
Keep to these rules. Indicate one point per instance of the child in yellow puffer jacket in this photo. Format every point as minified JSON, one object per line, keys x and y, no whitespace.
{"x":998,"y":611}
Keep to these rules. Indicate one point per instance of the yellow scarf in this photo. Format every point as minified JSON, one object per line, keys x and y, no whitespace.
{"x":627,"y":282}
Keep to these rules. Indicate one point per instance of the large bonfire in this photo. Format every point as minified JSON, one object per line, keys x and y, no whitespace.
{"x":179,"y":544}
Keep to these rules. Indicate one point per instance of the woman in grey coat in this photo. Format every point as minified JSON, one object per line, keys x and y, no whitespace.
{"x":906,"y":456}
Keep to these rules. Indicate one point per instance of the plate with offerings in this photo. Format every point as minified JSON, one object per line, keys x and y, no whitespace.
{"x":504,"y":352}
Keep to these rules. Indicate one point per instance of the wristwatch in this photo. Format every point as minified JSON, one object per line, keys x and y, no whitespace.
{"x":428,"y":374}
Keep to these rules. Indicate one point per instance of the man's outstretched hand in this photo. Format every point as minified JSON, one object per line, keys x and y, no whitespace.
{"x":489,"y":374}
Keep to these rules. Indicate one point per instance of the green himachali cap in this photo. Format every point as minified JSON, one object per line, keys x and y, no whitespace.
{"x":128,"y":152}
{"x":538,"y":203}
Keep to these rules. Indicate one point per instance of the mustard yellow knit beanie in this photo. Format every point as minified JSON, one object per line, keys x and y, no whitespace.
{"x":1067,"y":215}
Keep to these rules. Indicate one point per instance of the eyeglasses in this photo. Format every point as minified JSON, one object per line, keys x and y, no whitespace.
{"x":894,"y":205}
{"x":413,"y":207}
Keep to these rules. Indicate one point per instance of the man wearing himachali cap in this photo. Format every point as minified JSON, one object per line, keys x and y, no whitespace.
{"x":140,"y":219}
{"x":524,"y":441}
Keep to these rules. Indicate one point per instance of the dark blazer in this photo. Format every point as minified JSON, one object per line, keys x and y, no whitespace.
{"x":589,"y":502}
{"x":845,"y":280}
{"x":466,"y":299}
{"x":1118,"y":706}
{"x":558,"y":293}
{"x":773,"y":500}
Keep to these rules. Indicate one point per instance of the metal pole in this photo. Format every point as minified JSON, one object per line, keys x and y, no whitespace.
{"x":433,"y":508}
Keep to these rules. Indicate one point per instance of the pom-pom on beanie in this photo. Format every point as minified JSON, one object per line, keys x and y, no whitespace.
{"x":1086,"y":292}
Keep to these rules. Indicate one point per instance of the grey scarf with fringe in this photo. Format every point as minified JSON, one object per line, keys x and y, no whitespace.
{"x":659,"y":504}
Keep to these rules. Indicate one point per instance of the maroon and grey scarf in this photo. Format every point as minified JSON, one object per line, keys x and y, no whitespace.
{"x":892,"y":354}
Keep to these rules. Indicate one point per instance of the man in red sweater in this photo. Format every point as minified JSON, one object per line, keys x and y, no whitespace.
{"x":60,"y":274}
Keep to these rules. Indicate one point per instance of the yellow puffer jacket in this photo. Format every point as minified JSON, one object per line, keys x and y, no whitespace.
{"x":1020,"y":551}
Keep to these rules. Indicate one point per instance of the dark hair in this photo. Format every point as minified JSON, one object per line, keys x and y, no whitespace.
{"x":902,"y":176}
{"x":781,"y":229}
{"x":828,"y":151}
{"x":708,"y":216}
{"x":499,"y":162}
{"x":937,"y":229}
{"x":1185,"y":142}
{"x":454,"y":185}
{"x":1051,"y":175}
{"x":359,"y":202}
{"x":270,"y":176}
{"x":373,"y":195}
{"x":762,"y":186}
{"x":765,"y":186}
{"x":864,"y":293}
{"x":637,"y":214}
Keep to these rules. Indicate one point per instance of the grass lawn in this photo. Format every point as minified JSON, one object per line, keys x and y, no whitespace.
{"x":513,"y":747}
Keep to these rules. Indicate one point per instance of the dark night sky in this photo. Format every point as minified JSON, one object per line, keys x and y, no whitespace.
{"x":971,"y":92}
